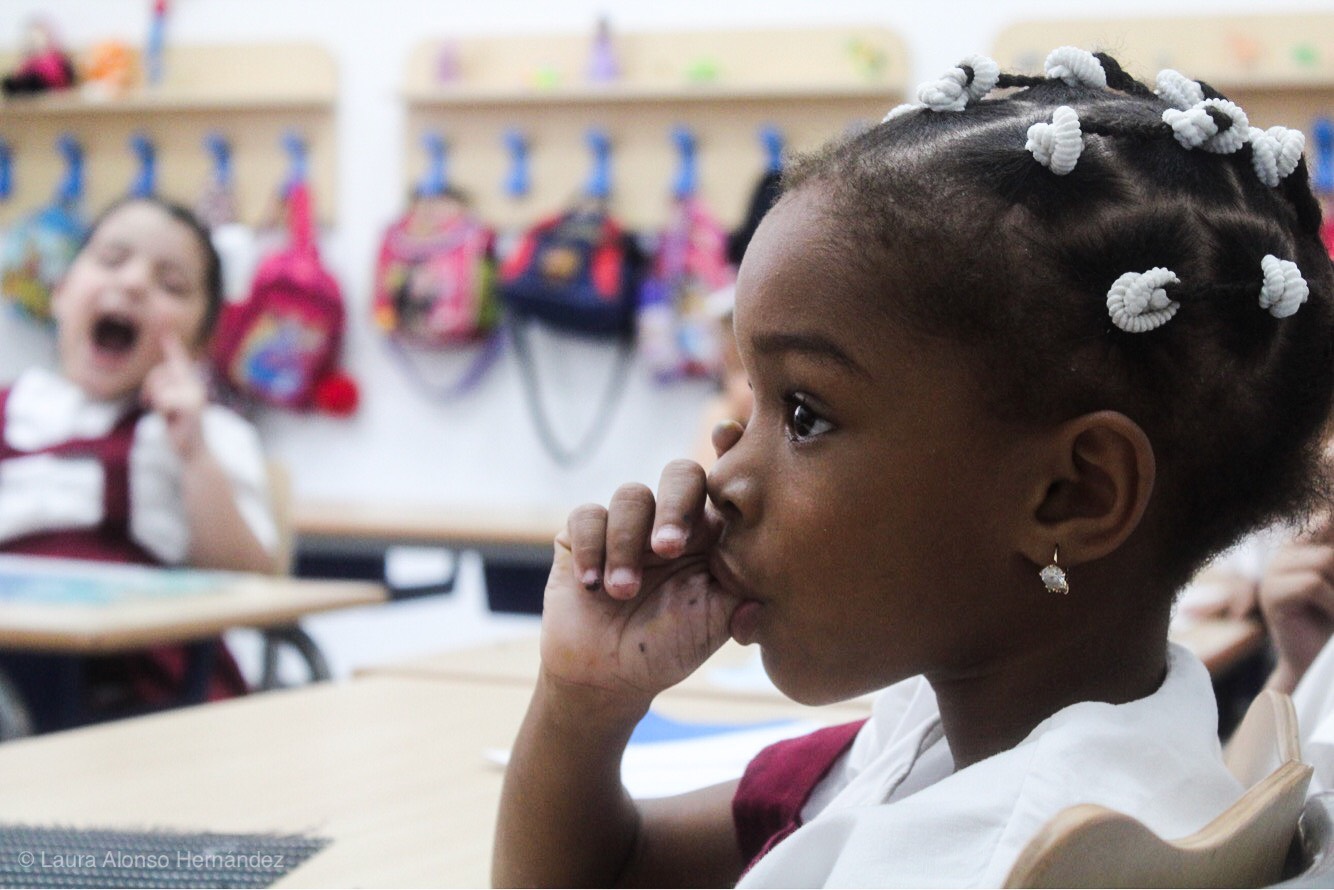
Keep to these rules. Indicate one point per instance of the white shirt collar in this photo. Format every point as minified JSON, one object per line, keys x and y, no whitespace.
{"x":45,"y":409}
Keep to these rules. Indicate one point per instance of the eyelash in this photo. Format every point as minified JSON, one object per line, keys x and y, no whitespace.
{"x":794,"y":403}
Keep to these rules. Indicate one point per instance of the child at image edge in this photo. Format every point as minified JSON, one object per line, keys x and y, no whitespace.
{"x":1020,"y":363}
{"x":119,"y":457}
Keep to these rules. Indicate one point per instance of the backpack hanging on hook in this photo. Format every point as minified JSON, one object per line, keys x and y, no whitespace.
{"x":281,"y":345}
{"x":576,"y":272}
{"x":678,"y":328}
{"x":435,"y":281}
{"x":40,"y":247}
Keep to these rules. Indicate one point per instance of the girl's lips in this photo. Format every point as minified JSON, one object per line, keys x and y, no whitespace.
{"x":745,"y":623}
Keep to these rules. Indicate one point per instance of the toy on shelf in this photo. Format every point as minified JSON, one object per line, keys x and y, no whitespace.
{"x":110,"y":69}
{"x":45,"y":65}
{"x":157,"y":37}
{"x":602,"y":64}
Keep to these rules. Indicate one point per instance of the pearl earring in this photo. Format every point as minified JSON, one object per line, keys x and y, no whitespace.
{"x":1053,"y":576}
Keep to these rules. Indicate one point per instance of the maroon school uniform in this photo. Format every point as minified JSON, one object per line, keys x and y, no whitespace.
{"x":153,"y":676}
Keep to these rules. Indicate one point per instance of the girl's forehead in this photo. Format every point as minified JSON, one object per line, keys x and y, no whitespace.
{"x":153,"y":230}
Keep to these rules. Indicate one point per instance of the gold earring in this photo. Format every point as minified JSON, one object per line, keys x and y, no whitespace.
{"x":1053,"y":576}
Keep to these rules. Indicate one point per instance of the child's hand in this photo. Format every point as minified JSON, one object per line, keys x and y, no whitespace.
{"x":630,"y":606}
{"x":174,"y":390}
{"x":1297,"y":599}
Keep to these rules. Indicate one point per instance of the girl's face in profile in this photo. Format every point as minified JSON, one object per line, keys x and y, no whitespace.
{"x":140,"y":278}
{"x":868,"y":502}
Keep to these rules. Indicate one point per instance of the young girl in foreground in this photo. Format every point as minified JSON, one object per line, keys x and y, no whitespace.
{"x":1020,"y":363}
{"x":119,"y":457}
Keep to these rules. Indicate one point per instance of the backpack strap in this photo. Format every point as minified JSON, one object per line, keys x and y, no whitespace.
{"x":468,"y":379}
{"x":298,"y":216}
{"x":611,"y":395}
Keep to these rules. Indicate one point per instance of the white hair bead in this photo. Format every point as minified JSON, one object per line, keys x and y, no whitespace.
{"x":1275,"y":153}
{"x":901,"y":110}
{"x":1057,"y":145}
{"x":1138,"y":302}
{"x":1075,"y":66}
{"x":946,"y":93}
{"x":1194,"y":128}
{"x":986,"y":74}
{"x":1284,"y":290}
{"x":1178,"y":90}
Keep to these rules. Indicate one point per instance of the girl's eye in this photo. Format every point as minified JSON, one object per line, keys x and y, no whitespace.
{"x":112,"y":255}
{"x":803,"y":421}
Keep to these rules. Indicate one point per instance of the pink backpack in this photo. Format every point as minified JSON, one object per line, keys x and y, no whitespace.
{"x":281,"y":345}
{"x":435,"y":276}
{"x":678,"y":329}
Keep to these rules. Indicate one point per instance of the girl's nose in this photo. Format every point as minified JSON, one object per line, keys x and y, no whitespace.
{"x":135,"y":276}
{"x":731,"y":483}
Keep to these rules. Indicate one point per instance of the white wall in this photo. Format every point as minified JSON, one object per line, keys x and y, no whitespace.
{"x":483,"y":450}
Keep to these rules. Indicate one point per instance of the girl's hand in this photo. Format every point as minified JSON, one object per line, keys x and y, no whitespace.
{"x":1297,"y":599}
{"x":630,"y":607}
{"x":174,"y":390}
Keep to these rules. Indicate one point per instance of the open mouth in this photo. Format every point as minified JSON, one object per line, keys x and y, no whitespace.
{"x":116,"y":334}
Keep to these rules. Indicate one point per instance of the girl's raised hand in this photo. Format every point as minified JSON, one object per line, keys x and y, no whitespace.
{"x":174,"y":389}
{"x":630,"y":607}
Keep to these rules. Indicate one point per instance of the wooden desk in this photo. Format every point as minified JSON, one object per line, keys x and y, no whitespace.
{"x":140,"y":613}
{"x":372,"y":527}
{"x":390,"y":769}
{"x":1220,"y":644}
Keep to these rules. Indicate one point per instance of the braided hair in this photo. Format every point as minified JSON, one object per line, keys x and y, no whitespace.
{"x":1019,"y":262}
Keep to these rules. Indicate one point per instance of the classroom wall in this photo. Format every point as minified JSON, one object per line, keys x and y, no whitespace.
{"x":482,"y":450}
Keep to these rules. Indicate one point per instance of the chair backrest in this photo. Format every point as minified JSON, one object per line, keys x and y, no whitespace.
{"x":280,"y":502}
{"x":1246,"y":846}
{"x":1266,"y":738}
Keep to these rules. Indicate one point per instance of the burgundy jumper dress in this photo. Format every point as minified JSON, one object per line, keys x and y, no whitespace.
{"x":153,"y":677}
{"x":777,"y":783}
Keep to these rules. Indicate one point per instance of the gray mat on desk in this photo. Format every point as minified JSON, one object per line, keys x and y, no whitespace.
{"x":32,"y":856}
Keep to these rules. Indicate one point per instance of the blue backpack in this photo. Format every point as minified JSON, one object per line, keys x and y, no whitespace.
{"x":578,"y":272}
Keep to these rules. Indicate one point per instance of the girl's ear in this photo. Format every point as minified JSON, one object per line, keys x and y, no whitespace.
{"x":1092,"y":491}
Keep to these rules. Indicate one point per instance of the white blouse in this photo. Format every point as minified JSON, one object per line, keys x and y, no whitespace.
{"x":894,"y":813}
{"x":44,"y":493}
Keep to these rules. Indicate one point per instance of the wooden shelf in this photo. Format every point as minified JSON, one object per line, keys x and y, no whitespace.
{"x":1280,"y":68}
{"x":251,"y":94}
{"x":614,"y":94}
{"x":811,"y":84}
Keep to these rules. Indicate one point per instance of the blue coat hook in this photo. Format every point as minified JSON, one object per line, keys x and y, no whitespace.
{"x":297,"y":154}
{"x":71,"y":187}
{"x":599,"y":181}
{"x":145,"y":183}
{"x":772,"y":140}
{"x":433,"y":183}
{"x":1322,"y":132}
{"x":221,"y":151}
{"x":517,"y":183}
{"x":6,"y":171}
{"x":686,"y":177}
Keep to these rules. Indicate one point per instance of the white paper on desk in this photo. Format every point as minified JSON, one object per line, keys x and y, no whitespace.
{"x":664,"y":768}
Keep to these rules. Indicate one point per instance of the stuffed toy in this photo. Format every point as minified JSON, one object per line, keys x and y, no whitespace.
{"x":45,"y":66}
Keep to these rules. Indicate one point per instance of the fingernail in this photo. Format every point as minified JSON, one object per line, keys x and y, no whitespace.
{"x":590,"y":580}
{"x":670,"y":534}
{"x":621,"y":578}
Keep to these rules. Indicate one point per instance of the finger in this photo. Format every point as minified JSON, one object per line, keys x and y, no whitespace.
{"x":725,"y":435}
{"x":629,"y":521}
{"x":174,"y":351}
{"x":586,"y":530}
{"x":681,"y":497}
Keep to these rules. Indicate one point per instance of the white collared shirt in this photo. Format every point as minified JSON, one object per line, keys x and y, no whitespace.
{"x":900,"y":816}
{"x":45,"y":493}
